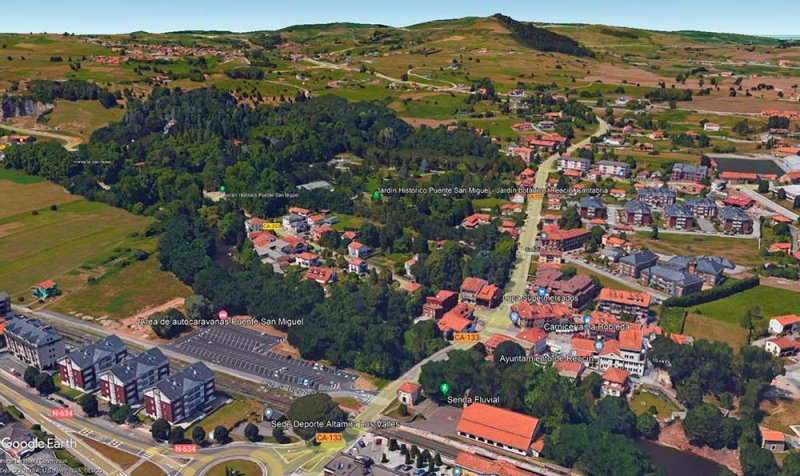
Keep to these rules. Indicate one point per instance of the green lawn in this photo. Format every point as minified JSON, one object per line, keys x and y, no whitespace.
{"x":741,"y":251}
{"x":18,"y":177}
{"x":644,"y":399}
{"x":239,"y":467}
{"x":671,"y":319}
{"x":702,"y":327}
{"x":480,"y":203}
{"x":229,"y":415}
{"x":65,"y":391}
{"x":348,"y":222}
{"x":771,"y":301}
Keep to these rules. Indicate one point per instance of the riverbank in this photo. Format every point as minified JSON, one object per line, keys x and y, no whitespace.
{"x":673,"y":438}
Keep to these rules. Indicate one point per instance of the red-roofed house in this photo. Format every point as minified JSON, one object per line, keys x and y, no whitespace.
{"x":783,"y":324}
{"x":627,"y":353}
{"x":321,"y":275}
{"x":511,"y":208}
{"x":455,"y":321}
{"x":296,"y":245}
{"x":500,"y":428}
{"x":357,"y":250}
{"x":739,"y":201}
{"x":471,"y":287}
{"x":537,"y":315}
{"x":476,"y":219}
{"x":411,"y":288}
{"x":780,"y":219}
{"x":409,"y":265}
{"x":307,"y":260}
{"x":555,"y":239}
{"x":536,"y":337}
{"x":436,"y":306}
{"x":570,"y":368}
{"x":738,"y":177}
{"x":619,"y":302}
{"x":780,"y":248}
{"x":488,"y":296}
{"x":615,"y":382}
{"x":772,"y":440}
{"x":317,"y":232}
{"x":782,"y":346}
{"x":493,"y":341}
{"x":358,"y":266}
{"x":409,"y":393}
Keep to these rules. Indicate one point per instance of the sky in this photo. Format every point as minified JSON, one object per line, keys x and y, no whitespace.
{"x":773,"y":17}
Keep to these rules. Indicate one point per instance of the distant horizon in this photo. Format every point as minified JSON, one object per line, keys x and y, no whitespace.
{"x":95,"y":17}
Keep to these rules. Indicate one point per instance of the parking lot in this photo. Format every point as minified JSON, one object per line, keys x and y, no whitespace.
{"x":249,"y":351}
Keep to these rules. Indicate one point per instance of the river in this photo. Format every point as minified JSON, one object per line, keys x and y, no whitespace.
{"x":676,"y":462}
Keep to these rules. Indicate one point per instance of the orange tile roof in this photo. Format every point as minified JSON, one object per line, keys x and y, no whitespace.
{"x":453,"y":322}
{"x":572,"y":173}
{"x":780,"y":247}
{"x":483,"y":465}
{"x":472,"y":285}
{"x":784,"y":342}
{"x":308,"y":256}
{"x":409,"y":387}
{"x":781,"y":219}
{"x":319,"y":274}
{"x":633,"y":298}
{"x":565,"y":365}
{"x":496,"y":339}
{"x":582,"y":346}
{"x":488,"y":293}
{"x":630,"y":339}
{"x":679,"y":339}
{"x":293,"y":241}
{"x":411,"y":287}
{"x":787,"y":320}
{"x":534,"y":335}
{"x":772,"y":435}
{"x":499,"y":425}
{"x":46,"y":284}
{"x":356,"y":245}
{"x":738,"y":175}
{"x":615,"y":375}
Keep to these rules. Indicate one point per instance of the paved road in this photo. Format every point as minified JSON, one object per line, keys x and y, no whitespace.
{"x":496,"y":320}
{"x":764,"y":201}
{"x":632,"y":284}
{"x":71,"y":143}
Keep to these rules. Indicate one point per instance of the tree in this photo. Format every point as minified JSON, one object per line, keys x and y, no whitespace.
{"x":221,"y":434}
{"x":198,"y":435}
{"x":197,"y":307}
{"x":176,"y":435}
{"x":280,"y":435}
{"x":88,"y":403}
{"x":402,"y":410}
{"x":506,"y":353}
{"x":703,"y":425}
{"x":319,"y":411}
{"x":647,"y":426}
{"x":654,"y":232}
{"x":167,"y":324}
{"x":791,"y":465}
{"x":763,"y":186}
{"x":251,"y":432}
{"x":119,"y":414}
{"x":690,"y":393}
{"x":757,"y":461}
{"x":613,"y":415}
{"x":44,"y":384}
{"x":30,"y":376}
{"x":160,"y":430}
{"x":781,"y":194}
{"x":570,"y":219}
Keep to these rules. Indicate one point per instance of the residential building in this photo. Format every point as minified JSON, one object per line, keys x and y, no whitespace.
{"x":539,"y":315}
{"x":612,"y":254}
{"x":620,"y":302}
{"x":473,"y":464}
{"x":633,"y":264}
{"x":525,"y":153}
{"x":656,"y":197}
{"x":711,"y":127}
{"x":536,"y":338}
{"x":672,"y":281}
{"x":81,"y":366}
{"x":570,"y":368}
{"x":782,"y":346}
{"x":5,"y":304}
{"x":321,"y":274}
{"x":436,"y":306}
{"x":616,"y":382}
{"x":125,"y":383}
{"x":735,"y":220}
{"x":739,"y":201}
{"x":409,"y":393}
{"x":295,"y":223}
{"x":702,"y":207}
{"x":613,"y":168}
{"x":18,"y":442}
{"x":678,"y":216}
{"x":710,"y":270}
{"x":182,"y":395}
{"x":774,"y":441}
{"x":489,"y":296}
{"x":45,"y":289}
{"x":688,"y":173}
{"x":357,"y":250}
{"x":555,"y":239}
{"x":409,"y":265}
{"x":627,"y":353}
{"x":783,"y":324}
{"x":568,"y":162}
{"x":576,"y":291}
{"x":458,"y":319}
{"x":471,"y":287}
{"x":500,"y":428}
{"x":307,"y":260}
{"x":591,"y":207}
{"x":476,"y":219}
{"x":637,"y":213}
{"x":358,"y":266}
{"x":33,"y":343}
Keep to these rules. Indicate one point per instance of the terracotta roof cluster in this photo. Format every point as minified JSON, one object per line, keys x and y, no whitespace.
{"x":499,"y":425}
{"x":483,"y":465}
{"x":631,"y":298}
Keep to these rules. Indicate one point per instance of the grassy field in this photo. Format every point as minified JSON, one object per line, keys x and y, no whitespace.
{"x":82,"y":117}
{"x":702,"y":327}
{"x":741,"y":251}
{"x":52,"y":243}
{"x":17,"y":177}
{"x":644,"y":399}
{"x":114,"y":296}
{"x":147,"y":469}
{"x":243,"y":467}
{"x":348,"y":222}
{"x":229,"y":415}
{"x":771,"y":301}
{"x":122,"y":458}
{"x":20,"y":193}
{"x":671,"y":320}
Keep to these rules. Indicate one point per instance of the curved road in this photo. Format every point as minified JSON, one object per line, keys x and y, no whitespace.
{"x":71,"y":143}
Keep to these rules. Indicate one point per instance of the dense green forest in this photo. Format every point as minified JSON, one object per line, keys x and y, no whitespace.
{"x":542,"y":39}
{"x":47,"y":91}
